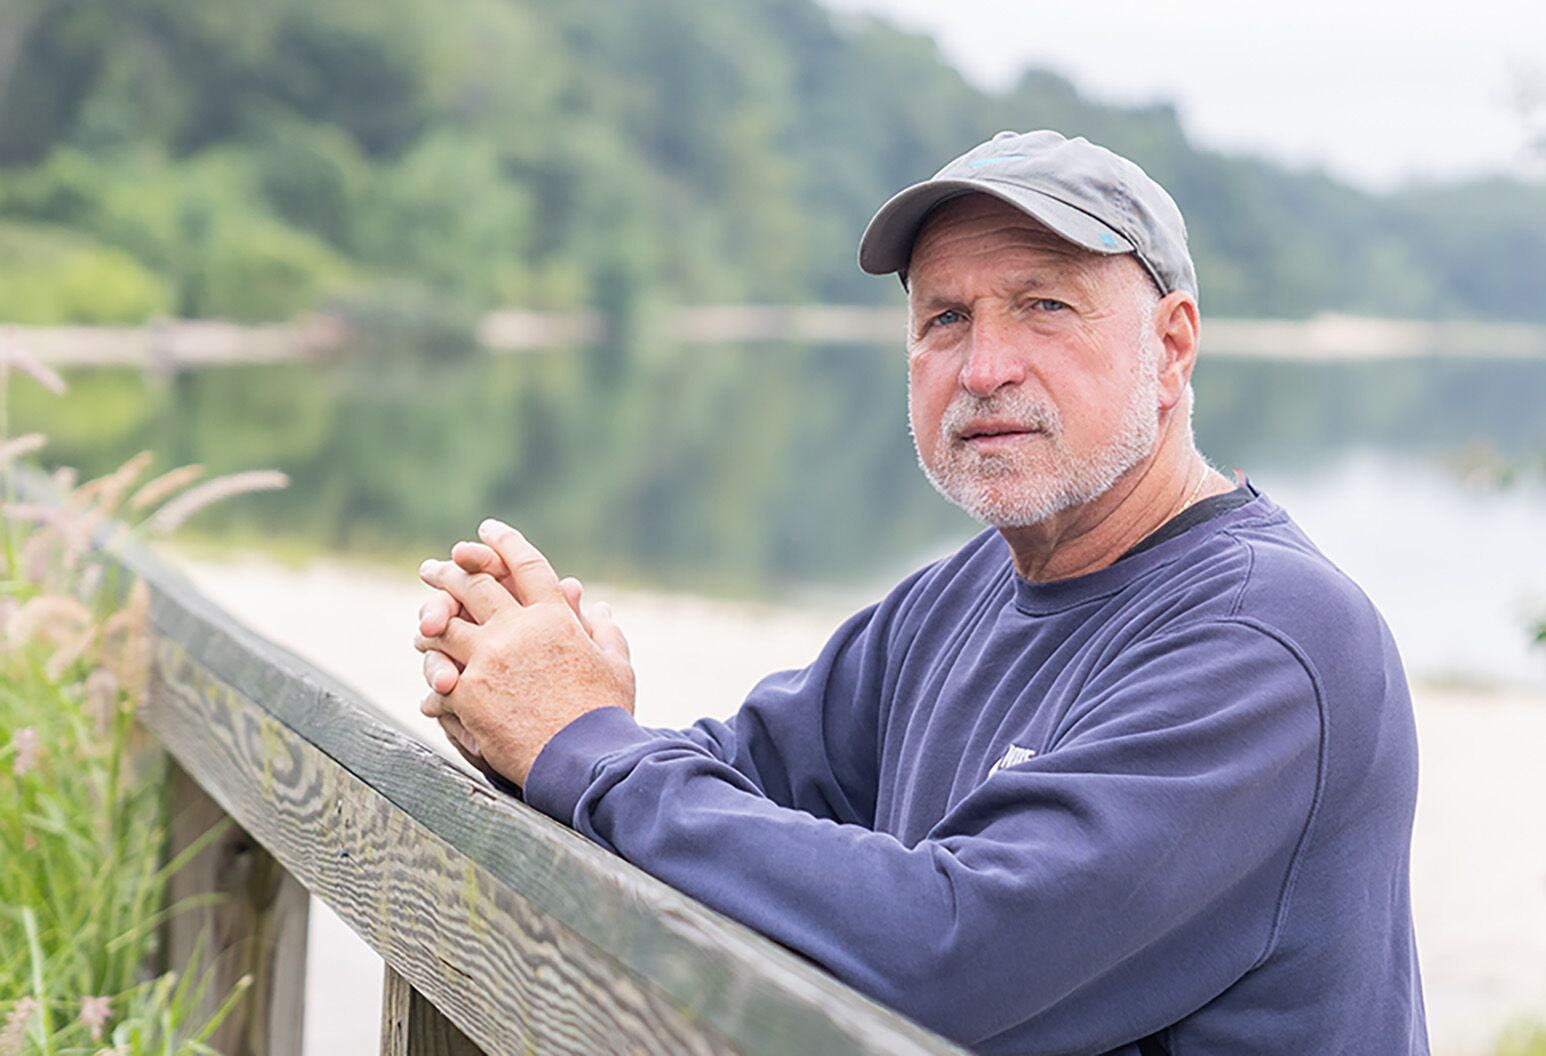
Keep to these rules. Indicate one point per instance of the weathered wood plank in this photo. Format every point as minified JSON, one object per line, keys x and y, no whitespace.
{"x":508,"y":975}
{"x":411,"y":1026}
{"x":257,"y":929}
{"x":293,"y":729}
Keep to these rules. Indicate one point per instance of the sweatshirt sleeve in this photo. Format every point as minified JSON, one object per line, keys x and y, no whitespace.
{"x":805,"y":739}
{"x":1094,"y":893}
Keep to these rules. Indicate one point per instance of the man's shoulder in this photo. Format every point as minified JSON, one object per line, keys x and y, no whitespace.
{"x":1261,"y":571}
{"x":1281,"y":583}
{"x":1286,"y":581}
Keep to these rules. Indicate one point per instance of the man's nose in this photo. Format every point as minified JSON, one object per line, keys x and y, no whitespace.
{"x":993,"y":359}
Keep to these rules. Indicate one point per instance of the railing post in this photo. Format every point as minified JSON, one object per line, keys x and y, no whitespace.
{"x":258,"y":929}
{"x":411,"y":1026}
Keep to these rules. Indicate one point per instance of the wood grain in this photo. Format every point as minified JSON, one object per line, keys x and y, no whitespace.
{"x":258,"y":929}
{"x":509,"y":976}
{"x":411,"y":1026}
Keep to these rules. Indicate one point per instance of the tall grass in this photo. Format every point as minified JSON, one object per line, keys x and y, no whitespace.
{"x":83,"y":816}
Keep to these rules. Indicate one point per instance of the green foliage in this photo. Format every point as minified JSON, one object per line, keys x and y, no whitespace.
{"x":52,"y":275}
{"x":251,"y":269}
{"x":444,"y":213}
{"x":201,"y":224}
{"x":81,"y":884}
{"x":1488,"y":254}
{"x":312,"y":176}
{"x":83,"y":812}
{"x":82,"y":826}
{"x":262,"y":159}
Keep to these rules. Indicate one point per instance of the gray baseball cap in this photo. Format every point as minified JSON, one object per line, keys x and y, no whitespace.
{"x":1092,"y":197}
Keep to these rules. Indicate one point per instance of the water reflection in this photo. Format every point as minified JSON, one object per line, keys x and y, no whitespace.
{"x":768,"y":469}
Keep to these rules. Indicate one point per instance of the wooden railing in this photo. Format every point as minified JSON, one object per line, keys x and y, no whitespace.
{"x":501,"y":931}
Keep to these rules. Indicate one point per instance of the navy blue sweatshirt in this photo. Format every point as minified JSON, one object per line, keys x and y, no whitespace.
{"x":1169,"y":800}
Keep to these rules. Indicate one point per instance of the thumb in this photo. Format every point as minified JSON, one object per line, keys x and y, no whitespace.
{"x":607,"y":634}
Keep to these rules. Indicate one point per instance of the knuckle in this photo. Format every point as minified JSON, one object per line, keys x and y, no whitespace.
{"x":530,"y":562}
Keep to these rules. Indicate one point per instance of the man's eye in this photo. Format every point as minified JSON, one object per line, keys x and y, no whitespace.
{"x":1047,"y":304}
{"x":947,"y":318}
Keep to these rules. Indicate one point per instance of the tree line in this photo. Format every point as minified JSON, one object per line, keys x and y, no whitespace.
{"x":421,"y":161}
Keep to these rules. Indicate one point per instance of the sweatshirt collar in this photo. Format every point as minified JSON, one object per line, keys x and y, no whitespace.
{"x":1042,"y":599}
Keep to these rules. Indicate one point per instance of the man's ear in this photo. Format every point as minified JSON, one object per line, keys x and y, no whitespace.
{"x":1177,"y":328}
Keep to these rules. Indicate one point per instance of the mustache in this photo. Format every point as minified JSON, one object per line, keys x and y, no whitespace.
{"x":1026,"y":412}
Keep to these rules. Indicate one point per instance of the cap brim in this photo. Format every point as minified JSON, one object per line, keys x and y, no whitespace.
{"x":887,"y":243}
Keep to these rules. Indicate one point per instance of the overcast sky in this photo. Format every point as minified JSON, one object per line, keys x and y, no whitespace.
{"x":1377,"y":91}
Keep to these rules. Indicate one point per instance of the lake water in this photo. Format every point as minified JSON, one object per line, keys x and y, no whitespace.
{"x":757,"y":471}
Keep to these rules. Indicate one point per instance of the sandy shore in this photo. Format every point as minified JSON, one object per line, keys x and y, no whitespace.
{"x":1479,"y":851}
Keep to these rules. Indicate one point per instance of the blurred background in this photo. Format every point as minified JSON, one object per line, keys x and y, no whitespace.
{"x":590,"y":268}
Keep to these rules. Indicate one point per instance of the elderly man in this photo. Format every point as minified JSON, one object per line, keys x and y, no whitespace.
{"x":1132,"y":771}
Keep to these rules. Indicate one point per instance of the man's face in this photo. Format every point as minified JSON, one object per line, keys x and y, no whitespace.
{"x":1014,"y":331}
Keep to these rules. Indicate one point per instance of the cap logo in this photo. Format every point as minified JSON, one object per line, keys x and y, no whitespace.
{"x":1107,"y":238}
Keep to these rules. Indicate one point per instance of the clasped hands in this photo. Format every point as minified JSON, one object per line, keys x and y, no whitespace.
{"x":510,"y":656}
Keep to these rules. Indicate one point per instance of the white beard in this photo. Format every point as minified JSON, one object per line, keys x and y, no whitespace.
{"x":1039,"y":477}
